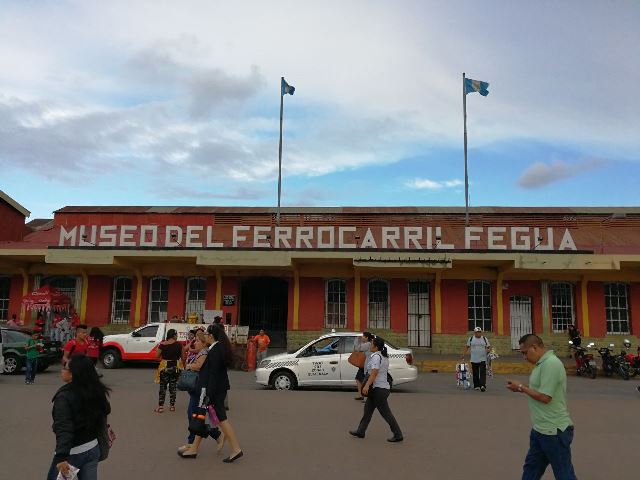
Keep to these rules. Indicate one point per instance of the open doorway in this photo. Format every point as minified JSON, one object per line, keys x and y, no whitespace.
{"x":263,"y":304}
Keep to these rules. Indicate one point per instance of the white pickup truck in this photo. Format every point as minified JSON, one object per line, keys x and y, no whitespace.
{"x":141,"y":344}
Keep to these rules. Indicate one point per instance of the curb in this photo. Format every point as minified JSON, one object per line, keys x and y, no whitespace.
{"x":449,"y":366}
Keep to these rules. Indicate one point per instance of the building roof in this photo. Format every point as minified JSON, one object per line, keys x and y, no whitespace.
{"x":15,"y":205}
{"x":40,"y":223}
{"x":352,"y":210}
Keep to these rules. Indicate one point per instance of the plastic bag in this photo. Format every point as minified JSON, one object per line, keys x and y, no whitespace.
{"x":72,"y":475}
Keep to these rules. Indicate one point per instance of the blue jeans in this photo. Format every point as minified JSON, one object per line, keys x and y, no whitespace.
{"x":194,"y":400}
{"x":87,"y":462}
{"x":32,"y":368}
{"x":549,"y":449}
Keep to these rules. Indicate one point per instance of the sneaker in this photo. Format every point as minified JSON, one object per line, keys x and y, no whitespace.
{"x":476,"y":388}
{"x":483,"y":388}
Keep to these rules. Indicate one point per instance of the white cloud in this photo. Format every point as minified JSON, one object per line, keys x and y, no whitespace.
{"x":426,"y":184}
{"x":542,"y":174}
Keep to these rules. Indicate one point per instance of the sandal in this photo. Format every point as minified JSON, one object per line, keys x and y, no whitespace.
{"x":358,"y":398}
{"x":172,"y":408}
{"x":158,"y":409}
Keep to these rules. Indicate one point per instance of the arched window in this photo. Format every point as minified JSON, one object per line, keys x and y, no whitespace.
{"x":335,"y":307}
{"x":196,"y":295}
{"x":158,"y":299}
{"x":378,"y":304}
{"x":479,"y":304}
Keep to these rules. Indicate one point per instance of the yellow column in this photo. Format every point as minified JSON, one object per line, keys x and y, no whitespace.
{"x":500,"y":306}
{"x":438,"y":303}
{"x":585,"y":306}
{"x":296,"y":299}
{"x":138,"y":316}
{"x":25,"y":290}
{"x":356,"y":301}
{"x":83,"y":298}
{"x":218,"y":290}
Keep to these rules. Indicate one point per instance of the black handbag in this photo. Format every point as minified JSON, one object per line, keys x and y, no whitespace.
{"x":197,"y":423}
{"x":106,"y":437}
{"x":187,"y":381}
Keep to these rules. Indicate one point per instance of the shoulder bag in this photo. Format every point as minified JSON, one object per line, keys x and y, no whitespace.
{"x":357,"y":359}
{"x":187,"y":381}
{"x":106,"y":437}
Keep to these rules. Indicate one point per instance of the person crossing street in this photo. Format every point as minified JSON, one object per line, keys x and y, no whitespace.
{"x":479,"y":346}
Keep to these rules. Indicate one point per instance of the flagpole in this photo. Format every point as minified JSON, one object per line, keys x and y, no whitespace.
{"x":280,"y":153}
{"x":466,"y":174}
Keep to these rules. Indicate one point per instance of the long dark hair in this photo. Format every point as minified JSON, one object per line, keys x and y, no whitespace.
{"x":93,"y":394}
{"x":96,"y":334}
{"x":219,"y":335}
{"x":379,"y":343}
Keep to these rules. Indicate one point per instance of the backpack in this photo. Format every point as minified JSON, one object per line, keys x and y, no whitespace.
{"x":486,"y":342}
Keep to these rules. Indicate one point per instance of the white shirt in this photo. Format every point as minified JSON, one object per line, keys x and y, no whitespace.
{"x":380,"y":363}
{"x":478,"y":347}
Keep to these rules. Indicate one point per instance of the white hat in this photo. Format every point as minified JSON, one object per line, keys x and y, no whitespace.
{"x":477,"y":329}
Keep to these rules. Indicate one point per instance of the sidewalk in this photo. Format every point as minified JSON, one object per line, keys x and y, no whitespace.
{"x":508,"y":364}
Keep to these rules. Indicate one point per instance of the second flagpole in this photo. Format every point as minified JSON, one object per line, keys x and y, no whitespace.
{"x":280,"y":153}
{"x":466,"y":174}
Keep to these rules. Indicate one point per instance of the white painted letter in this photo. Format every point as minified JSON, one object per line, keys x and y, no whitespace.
{"x":92,"y":240}
{"x":341,"y":242}
{"x":106,"y":233}
{"x":210,"y":242}
{"x":412,"y":235}
{"x":259,"y":235}
{"x":169,"y":232}
{"x":331,"y":243}
{"x":495,"y":235}
{"x":126,"y":235}
{"x":193,"y":234}
{"x":369,"y":241}
{"x":304,"y":234}
{"x":567,"y":242}
{"x":283,"y":234}
{"x":153,"y":229}
{"x":440,"y":245}
{"x":390,"y":235}
{"x":526,"y":240}
{"x":237,"y":238}
{"x":538,"y":244}
{"x":469,"y":237}
{"x":70,"y":235}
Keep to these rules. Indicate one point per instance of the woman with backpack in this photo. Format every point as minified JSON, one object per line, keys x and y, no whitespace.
{"x":377,"y":389}
{"x":80,"y":408}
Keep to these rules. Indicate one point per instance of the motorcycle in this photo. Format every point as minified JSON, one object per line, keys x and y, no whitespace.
{"x":633,"y":360}
{"x":613,"y":364}
{"x":585,"y":363}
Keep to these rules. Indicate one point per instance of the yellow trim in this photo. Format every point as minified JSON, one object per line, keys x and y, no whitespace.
{"x":25,"y":290}
{"x":438,"y":304}
{"x":138,"y":319}
{"x":83,"y":297}
{"x":296,"y":299}
{"x":218,"y":290}
{"x":500,"y":305}
{"x":356,"y":301}
{"x":585,"y":307}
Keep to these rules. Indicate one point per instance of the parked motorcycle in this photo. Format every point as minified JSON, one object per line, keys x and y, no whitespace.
{"x":585,"y":363}
{"x":613,"y":364}
{"x":633,"y":360}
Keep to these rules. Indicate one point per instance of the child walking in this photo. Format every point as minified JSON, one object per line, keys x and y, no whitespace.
{"x":32,"y":347}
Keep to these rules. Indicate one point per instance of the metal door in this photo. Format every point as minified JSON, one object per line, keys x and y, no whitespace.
{"x":419,"y":316}
{"x":520,"y":308}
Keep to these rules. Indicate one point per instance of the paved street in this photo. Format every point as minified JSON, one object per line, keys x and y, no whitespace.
{"x":449,"y":433}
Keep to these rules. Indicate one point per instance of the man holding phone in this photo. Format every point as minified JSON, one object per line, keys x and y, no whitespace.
{"x":552,"y":433}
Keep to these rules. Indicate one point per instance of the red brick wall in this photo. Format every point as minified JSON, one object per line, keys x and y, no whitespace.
{"x":177,"y":297}
{"x":399,"y":307}
{"x":634,"y":308}
{"x":311,"y":315}
{"x":454,"y":306}
{"x":210,"y":296}
{"x":12,"y":225}
{"x":597,"y":321}
{"x":231,"y":286}
{"x":15,"y":296}
{"x":99,"y":294}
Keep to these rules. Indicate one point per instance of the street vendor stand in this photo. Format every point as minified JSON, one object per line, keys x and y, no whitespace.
{"x":46,"y":300}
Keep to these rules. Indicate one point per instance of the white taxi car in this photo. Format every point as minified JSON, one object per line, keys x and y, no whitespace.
{"x":324,"y":362}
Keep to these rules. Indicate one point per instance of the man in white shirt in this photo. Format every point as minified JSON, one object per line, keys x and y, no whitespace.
{"x":479,"y":346}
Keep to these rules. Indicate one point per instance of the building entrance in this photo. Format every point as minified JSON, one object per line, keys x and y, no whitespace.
{"x":263,"y":304}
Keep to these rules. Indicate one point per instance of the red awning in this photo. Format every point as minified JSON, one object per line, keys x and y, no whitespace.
{"x":46,"y":298}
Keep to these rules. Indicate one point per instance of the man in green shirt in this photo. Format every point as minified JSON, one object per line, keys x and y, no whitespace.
{"x":552,"y":433}
{"x":33,"y":350}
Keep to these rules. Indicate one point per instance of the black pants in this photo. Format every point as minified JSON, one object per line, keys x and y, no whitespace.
{"x":378,"y":399}
{"x":479,"y":374}
{"x":168,"y":377}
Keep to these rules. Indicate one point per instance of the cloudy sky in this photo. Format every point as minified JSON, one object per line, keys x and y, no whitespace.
{"x":156,"y":102}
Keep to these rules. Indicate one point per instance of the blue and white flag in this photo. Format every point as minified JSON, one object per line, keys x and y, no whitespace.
{"x":286,"y":88}
{"x":471,"y":86}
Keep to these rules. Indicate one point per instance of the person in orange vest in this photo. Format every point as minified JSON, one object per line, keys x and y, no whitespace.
{"x":262,"y":341}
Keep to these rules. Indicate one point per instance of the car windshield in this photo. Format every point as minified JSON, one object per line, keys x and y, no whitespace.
{"x":14,"y":336}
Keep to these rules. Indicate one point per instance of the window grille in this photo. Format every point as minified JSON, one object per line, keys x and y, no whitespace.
{"x":479,"y":304}
{"x":616,"y":302}
{"x":5,"y":285}
{"x":158,"y":299}
{"x":562,"y":306}
{"x":121,"y":301}
{"x":378,"y":304}
{"x":196,"y":296}
{"x":335,"y":311}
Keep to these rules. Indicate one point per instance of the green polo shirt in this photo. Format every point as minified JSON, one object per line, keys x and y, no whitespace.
{"x":549,"y":377}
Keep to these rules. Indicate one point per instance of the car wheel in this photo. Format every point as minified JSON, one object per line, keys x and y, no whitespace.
{"x":12,"y":364}
{"x":283,"y":381}
{"x":111,"y":358}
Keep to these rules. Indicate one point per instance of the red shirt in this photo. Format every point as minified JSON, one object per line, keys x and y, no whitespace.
{"x":76,"y":348}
